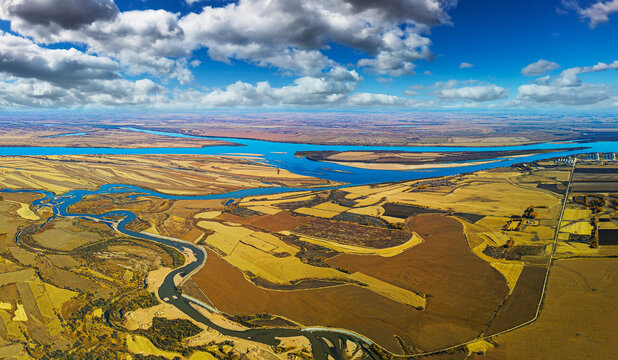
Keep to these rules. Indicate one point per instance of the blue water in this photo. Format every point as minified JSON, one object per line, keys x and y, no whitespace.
{"x":282,"y":155}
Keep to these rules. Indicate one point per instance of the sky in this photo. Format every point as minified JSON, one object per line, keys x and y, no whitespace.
{"x":309,"y":54}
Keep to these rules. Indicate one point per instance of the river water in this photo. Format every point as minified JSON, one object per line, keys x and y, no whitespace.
{"x":282,"y":155}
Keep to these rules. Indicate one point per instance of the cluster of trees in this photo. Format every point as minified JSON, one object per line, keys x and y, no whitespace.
{"x":168,"y":334}
{"x":593,"y":202}
{"x":529,"y":213}
{"x":595,"y":237}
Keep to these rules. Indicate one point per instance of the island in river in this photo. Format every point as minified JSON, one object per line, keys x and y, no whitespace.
{"x":407,"y":160}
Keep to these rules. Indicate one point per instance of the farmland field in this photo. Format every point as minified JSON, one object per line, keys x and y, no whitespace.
{"x":461,"y":297}
{"x":577,"y":311}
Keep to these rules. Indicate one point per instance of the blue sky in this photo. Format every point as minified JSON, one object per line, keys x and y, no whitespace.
{"x":311,"y":54}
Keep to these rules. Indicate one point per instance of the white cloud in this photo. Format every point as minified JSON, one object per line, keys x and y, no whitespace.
{"x":567,"y":88}
{"x":54,"y":15}
{"x":369,"y":99}
{"x":570,"y":77}
{"x":29,"y":93}
{"x":540,"y":67}
{"x":333,"y":88}
{"x":32,"y":76}
{"x":287,"y":34}
{"x":477,"y":93}
{"x":599,"y":12}
{"x":22,"y":58}
{"x":556,"y":95}
{"x":465,"y":65}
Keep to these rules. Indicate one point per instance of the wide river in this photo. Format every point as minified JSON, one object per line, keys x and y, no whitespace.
{"x":280,"y":155}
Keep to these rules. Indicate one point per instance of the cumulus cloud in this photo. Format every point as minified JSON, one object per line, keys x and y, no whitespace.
{"x":32,"y":76}
{"x":477,"y":93}
{"x":21,"y":92}
{"x":568,"y":88}
{"x":596,"y":13}
{"x":465,"y":65}
{"x":287,"y":34}
{"x":332,"y":88}
{"x":57,"y":14}
{"x":144,"y":42}
{"x":401,"y":49}
{"x":291,"y":36}
{"x":540,"y":67}
{"x":22,"y":58}
{"x":257,"y":31}
{"x":586,"y":94}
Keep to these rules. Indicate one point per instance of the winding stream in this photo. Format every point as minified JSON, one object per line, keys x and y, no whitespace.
{"x":119,"y":219}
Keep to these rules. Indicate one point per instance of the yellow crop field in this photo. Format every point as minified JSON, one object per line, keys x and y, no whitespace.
{"x":46,"y":308}
{"x":20,"y":313}
{"x":358,"y":250}
{"x":390,"y":291}
{"x":367,"y":202}
{"x":277,"y":270}
{"x":268,"y":243}
{"x":265,"y":209}
{"x":316,"y":212}
{"x":226,"y":236}
{"x":323,"y":210}
{"x":202,"y":355}
{"x":13,"y":329}
{"x":574,"y":214}
{"x":25,"y":212}
{"x":283,"y":200}
{"x":14,"y":352}
{"x":380,"y":191}
{"x":481,"y":193}
{"x":510,"y":271}
{"x":259,"y":243}
{"x":274,"y":197}
{"x":16,"y":276}
{"x":480,"y":198}
{"x":367,"y":210}
{"x":330,"y":206}
{"x":5,"y":306}
{"x":479,"y":347}
{"x":579,"y":228}
{"x":564,"y":248}
{"x":138,"y":344}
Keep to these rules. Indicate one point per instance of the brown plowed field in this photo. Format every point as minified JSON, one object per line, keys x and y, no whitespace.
{"x":347,"y":306}
{"x":463,"y":291}
{"x":521,"y":305}
{"x":578,"y":315}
